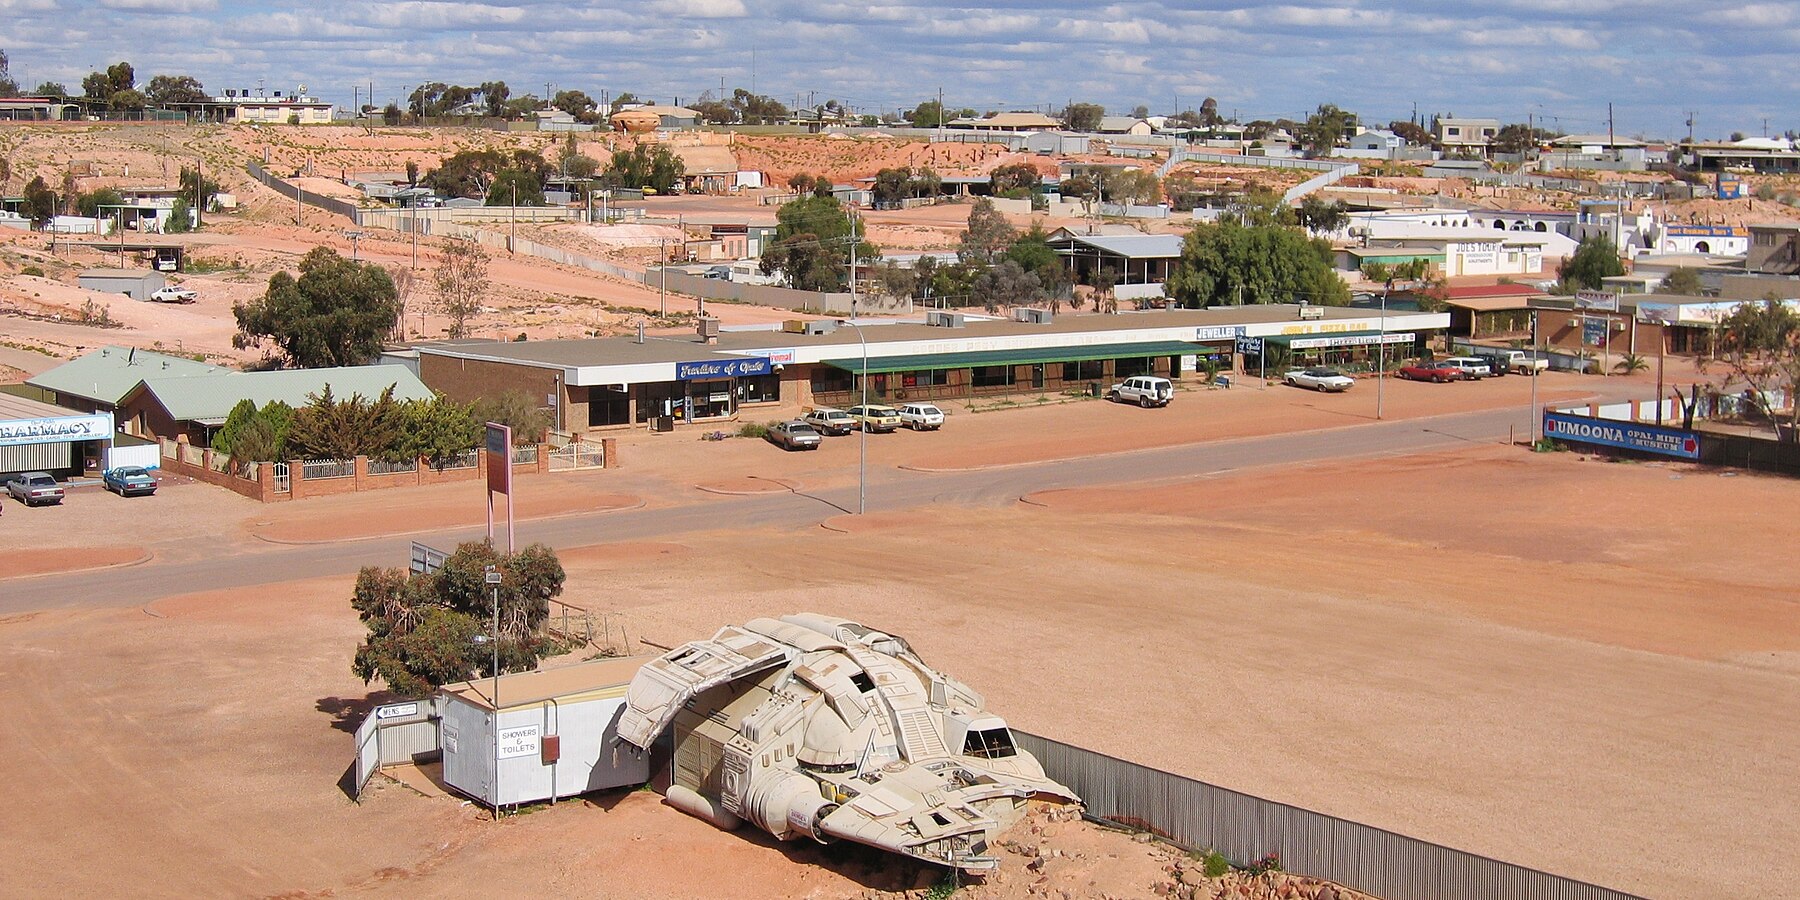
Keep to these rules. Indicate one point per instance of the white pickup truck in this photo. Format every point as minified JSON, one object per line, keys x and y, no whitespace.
{"x":1519,"y":362}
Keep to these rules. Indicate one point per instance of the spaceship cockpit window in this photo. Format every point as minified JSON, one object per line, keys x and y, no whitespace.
{"x":994,"y":743}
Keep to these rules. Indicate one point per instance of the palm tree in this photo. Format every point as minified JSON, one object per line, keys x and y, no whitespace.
{"x":1629,"y":363}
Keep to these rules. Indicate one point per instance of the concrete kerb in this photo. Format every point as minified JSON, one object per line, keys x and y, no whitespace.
{"x":639,"y":503}
{"x":780,"y":486}
{"x":950,"y":470}
{"x":147,"y":555}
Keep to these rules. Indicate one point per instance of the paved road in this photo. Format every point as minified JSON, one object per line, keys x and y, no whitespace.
{"x":195,"y":568}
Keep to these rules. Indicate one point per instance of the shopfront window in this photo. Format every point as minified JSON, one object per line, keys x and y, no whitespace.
{"x":1085,"y":370}
{"x":927,"y":378}
{"x":992,"y":376}
{"x":608,"y":407}
{"x":759,"y":389}
{"x":656,"y":400}
{"x":827,"y":380}
{"x":1135,"y":365}
{"x":709,"y":399}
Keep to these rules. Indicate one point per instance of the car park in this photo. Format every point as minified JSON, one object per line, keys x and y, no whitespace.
{"x":876,"y":418}
{"x":829,"y":420}
{"x":1519,"y":362}
{"x":1144,"y":390}
{"x":173,"y":294}
{"x":1473,"y":368}
{"x":921,"y":416}
{"x":129,"y":481}
{"x":1319,"y":378}
{"x":795,"y":435}
{"x":1439,"y":371}
{"x":35,"y":488}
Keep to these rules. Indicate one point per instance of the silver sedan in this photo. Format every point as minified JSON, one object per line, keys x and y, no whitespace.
{"x":1319,"y":378}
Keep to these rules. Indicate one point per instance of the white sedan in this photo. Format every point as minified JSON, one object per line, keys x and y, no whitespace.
{"x":173,"y":294}
{"x":1319,"y":379}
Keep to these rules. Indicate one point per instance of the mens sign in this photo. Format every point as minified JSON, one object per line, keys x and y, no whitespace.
{"x":1623,"y":435}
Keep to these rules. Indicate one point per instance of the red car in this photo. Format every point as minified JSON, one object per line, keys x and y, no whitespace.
{"x":1432,"y":371}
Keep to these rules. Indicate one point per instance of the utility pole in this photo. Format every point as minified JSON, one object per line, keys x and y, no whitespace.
{"x":940,"y":116}
{"x":1609,"y":126}
{"x":512,"y":243}
{"x":662,"y":274}
{"x":199,"y":191}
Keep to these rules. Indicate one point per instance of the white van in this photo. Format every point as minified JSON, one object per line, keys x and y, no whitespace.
{"x":1144,"y":390}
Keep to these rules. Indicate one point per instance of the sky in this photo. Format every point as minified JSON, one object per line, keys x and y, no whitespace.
{"x":1729,"y":64}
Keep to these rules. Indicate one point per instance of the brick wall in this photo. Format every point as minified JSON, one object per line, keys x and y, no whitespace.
{"x":468,"y":380}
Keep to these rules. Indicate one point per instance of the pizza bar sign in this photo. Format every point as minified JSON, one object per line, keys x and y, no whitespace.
{"x":1623,"y":435}
{"x":49,"y":431}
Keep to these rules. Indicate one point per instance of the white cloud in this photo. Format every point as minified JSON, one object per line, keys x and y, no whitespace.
{"x":701,"y":9}
{"x":162,"y":6}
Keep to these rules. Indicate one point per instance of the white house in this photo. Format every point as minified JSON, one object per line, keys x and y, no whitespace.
{"x":1375,"y":143}
{"x":239,"y":108}
{"x":1473,"y":135}
{"x":1713,"y":240}
{"x":1127,"y":125}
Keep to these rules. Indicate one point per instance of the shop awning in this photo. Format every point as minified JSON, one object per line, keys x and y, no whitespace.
{"x":972,"y":359}
{"x":1340,"y":339}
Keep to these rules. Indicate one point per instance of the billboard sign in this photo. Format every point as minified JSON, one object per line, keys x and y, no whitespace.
{"x":1656,"y":439}
{"x":1352,"y":340}
{"x":1250,"y":345}
{"x":1602,"y":300}
{"x":519,"y":741}
{"x":1593,"y":331}
{"x":18,"y":432}
{"x":498,"y":447}
{"x":723,"y":368}
{"x":1218,"y":332}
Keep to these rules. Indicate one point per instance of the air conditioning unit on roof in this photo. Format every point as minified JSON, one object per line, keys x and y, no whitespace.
{"x":942,"y":319}
{"x":1031,"y":315}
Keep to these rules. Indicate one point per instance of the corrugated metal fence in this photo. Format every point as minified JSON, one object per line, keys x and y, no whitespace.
{"x":1243,"y":828}
{"x":329,"y":204}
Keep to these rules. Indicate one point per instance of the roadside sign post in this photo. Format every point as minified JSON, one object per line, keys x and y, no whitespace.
{"x":1246,"y":344}
{"x":1536,"y":354}
{"x":498,"y":447}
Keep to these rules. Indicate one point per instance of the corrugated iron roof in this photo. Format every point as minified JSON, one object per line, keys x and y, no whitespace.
{"x":1135,"y":246}
{"x":878,"y":364}
{"x":107,"y":373}
{"x":208,"y":399}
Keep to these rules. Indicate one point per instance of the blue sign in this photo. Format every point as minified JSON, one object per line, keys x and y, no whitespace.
{"x":1623,"y":435}
{"x":1250,"y":345}
{"x":1593,"y":331}
{"x":723,"y":368}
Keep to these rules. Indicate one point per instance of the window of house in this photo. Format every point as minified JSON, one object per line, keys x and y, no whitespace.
{"x":924,"y":378}
{"x":1453,"y":131}
{"x":991,"y":376}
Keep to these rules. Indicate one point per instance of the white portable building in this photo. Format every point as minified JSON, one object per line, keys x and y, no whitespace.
{"x":552,"y":734}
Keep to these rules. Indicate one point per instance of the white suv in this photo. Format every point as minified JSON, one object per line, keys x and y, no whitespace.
{"x":1144,"y":390}
{"x":1473,"y":367}
{"x":921,"y":416}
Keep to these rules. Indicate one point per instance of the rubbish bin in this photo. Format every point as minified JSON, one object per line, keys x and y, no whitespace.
{"x":1094,"y":389}
{"x":662,"y":423}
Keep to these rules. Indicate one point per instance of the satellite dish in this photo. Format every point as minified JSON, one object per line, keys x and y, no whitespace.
{"x":302,"y":91}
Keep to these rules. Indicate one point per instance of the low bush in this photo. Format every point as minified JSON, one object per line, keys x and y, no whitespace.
{"x":754,"y":429}
{"x":1214,"y":865}
{"x":32,"y":270}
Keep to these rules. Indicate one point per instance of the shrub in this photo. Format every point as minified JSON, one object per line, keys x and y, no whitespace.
{"x":1215,"y":865}
{"x":33,"y":270}
{"x":754,"y":429}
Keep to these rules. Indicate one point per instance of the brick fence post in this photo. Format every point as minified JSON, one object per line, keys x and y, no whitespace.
{"x":543,"y":458}
{"x":362,"y":472}
{"x":609,"y":453}
{"x":296,"y":477}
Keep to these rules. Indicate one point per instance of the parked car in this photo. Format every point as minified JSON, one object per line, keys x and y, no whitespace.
{"x":1473,"y":368}
{"x":1519,"y":362}
{"x":1497,"y":365}
{"x":1144,"y":390}
{"x":129,"y":481}
{"x":921,"y":416}
{"x":173,"y":294}
{"x":795,"y":435}
{"x":35,"y":488}
{"x":1319,"y":378}
{"x":719,"y":272}
{"x":1439,"y":371}
{"x":830,"y":421}
{"x":876,"y":418}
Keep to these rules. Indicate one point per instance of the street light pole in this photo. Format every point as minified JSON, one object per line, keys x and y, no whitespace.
{"x":492,"y":577}
{"x":862,"y":441}
{"x":1381,"y":354}
{"x":1536,"y":354}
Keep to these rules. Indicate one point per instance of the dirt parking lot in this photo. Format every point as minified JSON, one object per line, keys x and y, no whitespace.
{"x":1590,"y":675}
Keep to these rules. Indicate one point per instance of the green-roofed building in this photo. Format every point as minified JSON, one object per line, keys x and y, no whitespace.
{"x":197,"y":405}
{"x":97,"y":381}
